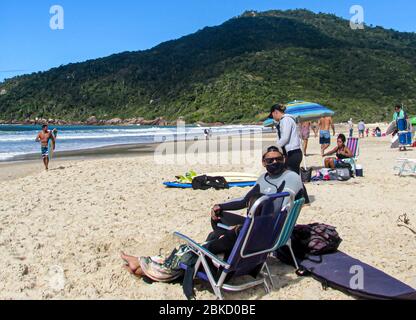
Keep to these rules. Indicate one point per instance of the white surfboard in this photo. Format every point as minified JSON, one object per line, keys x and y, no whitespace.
{"x":235,"y":176}
{"x":391,"y":128}
{"x":395,"y":143}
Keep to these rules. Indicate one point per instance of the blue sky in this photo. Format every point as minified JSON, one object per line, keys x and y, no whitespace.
{"x":94,"y":28}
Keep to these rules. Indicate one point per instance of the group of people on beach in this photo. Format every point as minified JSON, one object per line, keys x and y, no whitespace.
{"x":282,"y":163}
{"x":324,"y":126}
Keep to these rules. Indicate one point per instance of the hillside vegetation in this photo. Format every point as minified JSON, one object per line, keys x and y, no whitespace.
{"x":232,"y":73}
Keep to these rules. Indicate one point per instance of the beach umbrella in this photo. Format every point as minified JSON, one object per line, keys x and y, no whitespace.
{"x":303,"y":111}
{"x":307,"y":111}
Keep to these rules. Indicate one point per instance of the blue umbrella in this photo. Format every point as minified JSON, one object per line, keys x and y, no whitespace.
{"x":303,"y":111}
{"x":306,"y":111}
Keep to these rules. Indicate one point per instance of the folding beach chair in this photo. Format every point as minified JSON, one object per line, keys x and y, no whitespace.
{"x":266,"y":227}
{"x":286,"y":233}
{"x":353,"y":145}
{"x":405,"y":165}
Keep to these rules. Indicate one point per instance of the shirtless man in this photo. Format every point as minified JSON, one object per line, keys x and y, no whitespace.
{"x":325,"y":124}
{"x":44,"y":137}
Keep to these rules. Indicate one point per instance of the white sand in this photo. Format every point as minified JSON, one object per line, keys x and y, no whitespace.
{"x":77,"y":218}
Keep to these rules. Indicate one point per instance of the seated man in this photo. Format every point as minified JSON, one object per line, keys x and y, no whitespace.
{"x":221,"y":241}
{"x":341,"y":151}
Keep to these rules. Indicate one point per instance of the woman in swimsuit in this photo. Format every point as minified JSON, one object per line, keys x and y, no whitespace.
{"x":341,"y":151}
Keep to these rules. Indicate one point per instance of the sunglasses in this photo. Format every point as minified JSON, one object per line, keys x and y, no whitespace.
{"x":273,"y":160}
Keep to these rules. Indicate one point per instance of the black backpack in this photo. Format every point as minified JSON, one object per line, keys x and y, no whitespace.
{"x":315,"y":239}
{"x":205,"y":182}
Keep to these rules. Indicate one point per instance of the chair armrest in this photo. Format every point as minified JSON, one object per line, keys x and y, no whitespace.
{"x":201,"y":250}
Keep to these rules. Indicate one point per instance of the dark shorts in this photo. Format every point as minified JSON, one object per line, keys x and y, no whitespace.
{"x":45,"y":152}
{"x":325,"y":137}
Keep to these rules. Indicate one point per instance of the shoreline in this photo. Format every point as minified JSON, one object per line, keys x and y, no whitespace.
{"x":121,"y":148}
{"x":24,"y":165}
{"x":130,"y":148}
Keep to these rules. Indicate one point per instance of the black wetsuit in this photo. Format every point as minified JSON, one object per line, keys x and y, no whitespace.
{"x":221,"y":240}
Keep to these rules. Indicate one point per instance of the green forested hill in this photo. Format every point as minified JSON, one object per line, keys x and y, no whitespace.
{"x":232,"y":73}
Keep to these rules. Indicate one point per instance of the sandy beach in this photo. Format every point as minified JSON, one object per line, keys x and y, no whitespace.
{"x":75,"y":219}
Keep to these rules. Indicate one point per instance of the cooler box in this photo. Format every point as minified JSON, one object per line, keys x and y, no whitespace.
{"x":405,"y":138}
{"x":359,"y":172}
{"x":402,"y":124}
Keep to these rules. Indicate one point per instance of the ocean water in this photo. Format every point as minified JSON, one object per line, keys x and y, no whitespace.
{"x":16,"y":140}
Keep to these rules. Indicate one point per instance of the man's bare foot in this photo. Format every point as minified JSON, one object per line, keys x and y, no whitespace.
{"x":133,"y":265}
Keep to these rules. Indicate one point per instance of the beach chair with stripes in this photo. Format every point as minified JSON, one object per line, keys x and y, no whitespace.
{"x":266,"y":228}
{"x":405,"y":165}
{"x":353,"y":145}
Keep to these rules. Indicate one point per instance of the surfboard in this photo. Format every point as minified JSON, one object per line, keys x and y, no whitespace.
{"x":189,"y":185}
{"x":235,"y":176}
{"x":232,"y":174}
{"x":51,"y":144}
{"x":395,"y":143}
{"x":391,"y":128}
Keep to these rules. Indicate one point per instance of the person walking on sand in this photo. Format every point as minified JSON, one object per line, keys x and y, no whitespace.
{"x":43,"y":137}
{"x":361,"y":129}
{"x":325,"y":124}
{"x":305,"y":132}
{"x":351,"y":127}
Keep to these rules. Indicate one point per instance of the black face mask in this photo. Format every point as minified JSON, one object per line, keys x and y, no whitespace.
{"x":276,"y":168}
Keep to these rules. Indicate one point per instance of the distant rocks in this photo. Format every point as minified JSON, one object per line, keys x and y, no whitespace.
{"x":113,"y":122}
{"x":214,"y":124}
{"x":92,"y":120}
{"x":156,"y":122}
